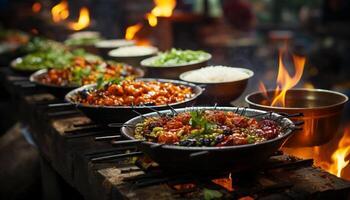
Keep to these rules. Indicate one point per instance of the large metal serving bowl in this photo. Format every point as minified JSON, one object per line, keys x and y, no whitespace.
{"x":170,"y":72}
{"x":234,"y":158}
{"x":58,"y":90}
{"x":322,"y":111}
{"x":107,"y":114}
{"x":221,"y":93}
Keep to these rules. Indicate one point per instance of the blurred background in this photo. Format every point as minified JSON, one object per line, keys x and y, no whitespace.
{"x":238,"y":33}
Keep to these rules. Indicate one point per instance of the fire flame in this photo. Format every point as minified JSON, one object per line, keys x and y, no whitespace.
{"x":284,"y":80}
{"x":332,"y":157}
{"x":132,"y":30}
{"x":83,"y":21}
{"x":163,"y":8}
{"x":339,"y":156}
{"x":224,"y":182}
{"x":36,"y":7}
{"x":60,"y":11}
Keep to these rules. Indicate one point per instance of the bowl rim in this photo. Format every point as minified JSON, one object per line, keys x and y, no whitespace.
{"x":154,"y":52}
{"x":287,"y":132}
{"x":144,"y":62}
{"x":346,"y":98}
{"x":127,"y":44}
{"x":249,"y":72}
{"x":177,"y":82}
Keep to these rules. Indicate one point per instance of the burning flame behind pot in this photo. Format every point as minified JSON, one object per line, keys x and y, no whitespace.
{"x":332,"y":157}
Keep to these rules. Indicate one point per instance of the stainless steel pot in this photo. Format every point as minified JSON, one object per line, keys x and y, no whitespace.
{"x":322,"y":111}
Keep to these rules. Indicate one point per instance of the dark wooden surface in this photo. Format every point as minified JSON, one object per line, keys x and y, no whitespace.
{"x":67,"y":151}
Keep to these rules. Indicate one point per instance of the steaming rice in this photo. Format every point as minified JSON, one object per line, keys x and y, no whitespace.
{"x":133,"y":51}
{"x":216,"y":74}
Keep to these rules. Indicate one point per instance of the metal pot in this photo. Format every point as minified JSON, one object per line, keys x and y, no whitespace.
{"x":234,"y":158}
{"x":105,"y":114}
{"x":322,"y":111}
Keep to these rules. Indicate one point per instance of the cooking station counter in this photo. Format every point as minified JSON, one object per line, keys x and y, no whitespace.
{"x":101,"y":167}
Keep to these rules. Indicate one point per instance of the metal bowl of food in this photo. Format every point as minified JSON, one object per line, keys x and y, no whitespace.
{"x":118,"y":102}
{"x":322,"y":110}
{"x":222,"y":84}
{"x":171,"y":64}
{"x":60,"y":81}
{"x":132,"y":55}
{"x":177,"y":141}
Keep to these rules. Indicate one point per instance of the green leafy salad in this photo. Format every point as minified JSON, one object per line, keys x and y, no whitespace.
{"x":51,"y":58}
{"x":179,"y":57}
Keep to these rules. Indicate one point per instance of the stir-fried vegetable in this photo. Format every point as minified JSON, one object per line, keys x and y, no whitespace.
{"x":82,"y":41}
{"x":179,"y":57}
{"x":13,"y":36}
{"x":134,"y":92}
{"x":206,"y":128}
{"x":36,"y":44}
{"x":51,"y":58}
{"x":83,"y":72}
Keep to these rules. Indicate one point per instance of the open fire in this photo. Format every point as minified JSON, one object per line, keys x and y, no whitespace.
{"x":163,"y":8}
{"x":284,"y":80}
{"x":83,"y":20}
{"x":60,"y":11}
{"x":332,"y":156}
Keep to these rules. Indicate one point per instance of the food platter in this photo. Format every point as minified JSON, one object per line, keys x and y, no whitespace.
{"x":202,"y":158}
{"x":121,"y":113}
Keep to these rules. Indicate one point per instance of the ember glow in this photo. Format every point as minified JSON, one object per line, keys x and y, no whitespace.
{"x":163,"y":8}
{"x":36,"y":7}
{"x":224,"y":182}
{"x":83,"y":21}
{"x":132,"y":30}
{"x":60,"y":11}
{"x":332,"y":157}
{"x":284,"y":80}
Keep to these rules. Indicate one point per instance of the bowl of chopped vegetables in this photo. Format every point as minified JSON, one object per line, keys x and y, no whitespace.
{"x":82,"y":72}
{"x":171,"y":64}
{"x":84,"y":39}
{"x":209,"y":138}
{"x":50,"y":58}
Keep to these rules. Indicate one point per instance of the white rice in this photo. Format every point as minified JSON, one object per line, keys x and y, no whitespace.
{"x":84,"y":34}
{"x":133,"y":51}
{"x":216,"y":74}
{"x":114,"y":43}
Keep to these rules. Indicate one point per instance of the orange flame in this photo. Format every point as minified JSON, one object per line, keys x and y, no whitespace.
{"x":132,"y":30}
{"x":284,"y":80}
{"x":60,"y":11}
{"x":163,"y":8}
{"x":83,"y":21}
{"x":36,"y":7}
{"x":339,"y":156}
{"x":224,"y":182}
{"x":332,"y":157}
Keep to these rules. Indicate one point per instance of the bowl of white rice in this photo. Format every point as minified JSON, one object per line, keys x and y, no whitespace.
{"x":222,"y":84}
{"x":132,"y":54}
